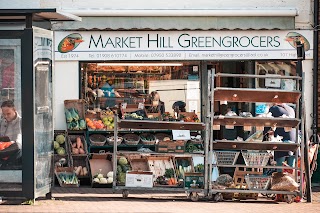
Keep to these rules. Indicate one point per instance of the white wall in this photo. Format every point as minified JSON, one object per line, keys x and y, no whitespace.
{"x":307,"y":66}
{"x":303,"y":20}
{"x":66,"y":86}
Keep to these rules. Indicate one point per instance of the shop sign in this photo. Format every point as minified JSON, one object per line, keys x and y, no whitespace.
{"x":181,"y":45}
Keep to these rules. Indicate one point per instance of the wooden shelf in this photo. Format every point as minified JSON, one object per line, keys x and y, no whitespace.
{"x":256,"y":95}
{"x":256,"y":166}
{"x":253,"y":191}
{"x":255,"y":121}
{"x":167,"y":125}
{"x":255,"y":145}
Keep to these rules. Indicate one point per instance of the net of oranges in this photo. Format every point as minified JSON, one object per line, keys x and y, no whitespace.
{"x":95,"y":124}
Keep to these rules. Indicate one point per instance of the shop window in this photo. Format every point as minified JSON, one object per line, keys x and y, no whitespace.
{"x":109,"y":85}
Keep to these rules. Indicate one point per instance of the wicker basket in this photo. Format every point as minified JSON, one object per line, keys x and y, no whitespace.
{"x":226,"y":157}
{"x":97,"y":139}
{"x":131,"y":139}
{"x":258,"y":181}
{"x":147,"y":142}
{"x":161,"y":136}
{"x":255,"y":158}
{"x":110,"y":140}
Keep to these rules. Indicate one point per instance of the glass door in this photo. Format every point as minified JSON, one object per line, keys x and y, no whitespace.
{"x":43,"y":120}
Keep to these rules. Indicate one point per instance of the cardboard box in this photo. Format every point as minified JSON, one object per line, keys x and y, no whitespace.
{"x":100,"y":161}
{"x":171,"y":146}
{"x":139,"y":179}
{"x":193,"y":180}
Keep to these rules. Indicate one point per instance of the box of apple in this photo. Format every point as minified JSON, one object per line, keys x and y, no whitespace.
{"x":108,"y":121}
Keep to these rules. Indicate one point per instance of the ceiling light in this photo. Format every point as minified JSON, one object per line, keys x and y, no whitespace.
{"x":139,"y":64}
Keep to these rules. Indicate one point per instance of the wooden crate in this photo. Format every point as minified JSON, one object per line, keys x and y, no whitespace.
{"x":178,"y":161}
{"x":65,"y":145}
{"x":68,"y":170}
{"x":72,"y":139}
{"x":81,"y":161}
{"x":97,"y":162}
{"x":78,"y":104}
{"x":241,"y":172}
{"x":139,"y":164}
{"x":159,"y":164}
{"x":171,"y":146}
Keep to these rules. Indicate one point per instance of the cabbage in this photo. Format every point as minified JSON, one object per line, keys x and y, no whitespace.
{"x":110,"y":179}
{"x":123,"y":161}
{"x":56,"y":145}
{"x":96,"y":180}
{"x":61,"y":151}
{"x":100,"y":176}
{"x":122,"y":177}
{"x":60,"y":139}
{"x":103,"y":180}
{"x":110,"y":174}
{"x":119,"y":169}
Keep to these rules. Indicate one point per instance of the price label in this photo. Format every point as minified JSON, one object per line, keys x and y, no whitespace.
{"x":181,"y":134}
{"x":124,"y":105}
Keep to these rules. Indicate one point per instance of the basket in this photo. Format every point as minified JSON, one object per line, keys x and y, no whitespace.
{"x":131,"y":139}
{"x":81,"y":161}
{"x":72,"y":139}
{"x":226,"y":157}
{"x":97,"y":139}
{"x":110,"y":140}
{"x":258,"y":181}
{"x":152,"y":138}
{"x":161,"y":136}
{"x":255,"y":158}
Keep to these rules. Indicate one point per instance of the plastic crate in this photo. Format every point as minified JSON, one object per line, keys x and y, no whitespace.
{"x":226,"y":157}
{"x":258,"y":181}
{"x":255,"y":158}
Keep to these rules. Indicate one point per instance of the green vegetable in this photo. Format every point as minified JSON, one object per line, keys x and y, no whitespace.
{"x":74,"y":114}
{"x":122,"y":177}
{"x":122,"y":161}
{"x":68,"y":115}
{"x":169,"y":173}
{"x":56,"y":145}
{"x":82,"y":124}
{"x":61,"y":151}
{"x":60,"y":139}
{"x":125,"y":168}
{"x":119,"y":169}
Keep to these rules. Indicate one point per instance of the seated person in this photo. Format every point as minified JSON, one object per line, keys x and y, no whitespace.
{"x":10,"y":126}
{"x":156,"y":104}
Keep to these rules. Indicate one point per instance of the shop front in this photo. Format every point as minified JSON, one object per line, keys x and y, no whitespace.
{"x":126,"y":66}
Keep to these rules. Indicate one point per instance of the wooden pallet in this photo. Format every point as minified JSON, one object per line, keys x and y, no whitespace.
{"x":241,"y":172}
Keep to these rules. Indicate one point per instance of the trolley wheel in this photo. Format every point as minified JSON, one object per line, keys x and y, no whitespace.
{"x":272,"y":196}
{"x":125,"y":193}
{"x":217,"y":197}
{"x":194,"y":196}
{"x":289,"y":198}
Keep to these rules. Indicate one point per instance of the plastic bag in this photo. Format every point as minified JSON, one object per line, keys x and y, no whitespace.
{"x":224,"y":180}
{"x":283,"y":182}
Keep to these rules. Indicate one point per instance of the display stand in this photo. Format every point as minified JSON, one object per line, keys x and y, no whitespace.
{"x":253,"y":95}
{"x":158,"y":125}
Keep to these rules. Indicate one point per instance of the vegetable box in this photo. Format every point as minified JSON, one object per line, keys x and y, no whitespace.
{"x":193,"y":180}
{"x":66,"y":177}
{"x":159,"y":164}
{"x":75,"y":114}
{"x":171,"y":146}
{"x":101,"y":165}
{"x":139,"y":179}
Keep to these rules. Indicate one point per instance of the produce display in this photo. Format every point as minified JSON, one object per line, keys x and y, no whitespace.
{"x":81,"y":170}
{"x":132,"y":116}
{"x":110,"y":140}
{"x":99,"y":178}
{"x":107,"y":118}
{"x":95,"y":124}
{"x":68,"y":178}
{"x":58,"y":143}
{"x":74,"y":122}
{"x":122,"y":168}
{"x":78,"y":147}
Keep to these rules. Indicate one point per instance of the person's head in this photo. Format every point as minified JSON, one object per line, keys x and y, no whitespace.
{"x":8,"y":110}
{"x":155,"y":98}
{"x":180,"y":105}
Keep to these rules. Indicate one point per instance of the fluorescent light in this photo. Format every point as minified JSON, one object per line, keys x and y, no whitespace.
{"x":139,"y":64}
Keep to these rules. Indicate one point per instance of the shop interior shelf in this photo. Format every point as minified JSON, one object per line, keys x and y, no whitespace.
{"x":141,"y":124}
{"x":123,"y":146}
{"x":255,"y":145}
{"x":255,"y":121}
{"x":256,"y":95}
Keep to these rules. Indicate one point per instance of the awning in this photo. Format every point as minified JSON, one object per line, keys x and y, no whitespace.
{"x":179,"y":23}
{"x":37,"y":15}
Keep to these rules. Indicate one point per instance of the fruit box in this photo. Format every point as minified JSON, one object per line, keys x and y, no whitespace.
{"x":193,"y":180}
{"x":171,"y":146}
{"x":139,"y":179}
{"x":103,"y":162}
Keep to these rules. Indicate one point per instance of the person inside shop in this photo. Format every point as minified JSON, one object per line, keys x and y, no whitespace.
{"x":156,"y":105}
{"x":109,"y":92}
{"x":279,"y":110}
{"x":11,"y":136}
{"x":179,"y":105}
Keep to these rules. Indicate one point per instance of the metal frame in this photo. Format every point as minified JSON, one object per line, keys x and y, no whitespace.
{"x":300,"y":114}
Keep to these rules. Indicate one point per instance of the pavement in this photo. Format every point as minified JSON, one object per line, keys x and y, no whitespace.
{"x":87,"y":199}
